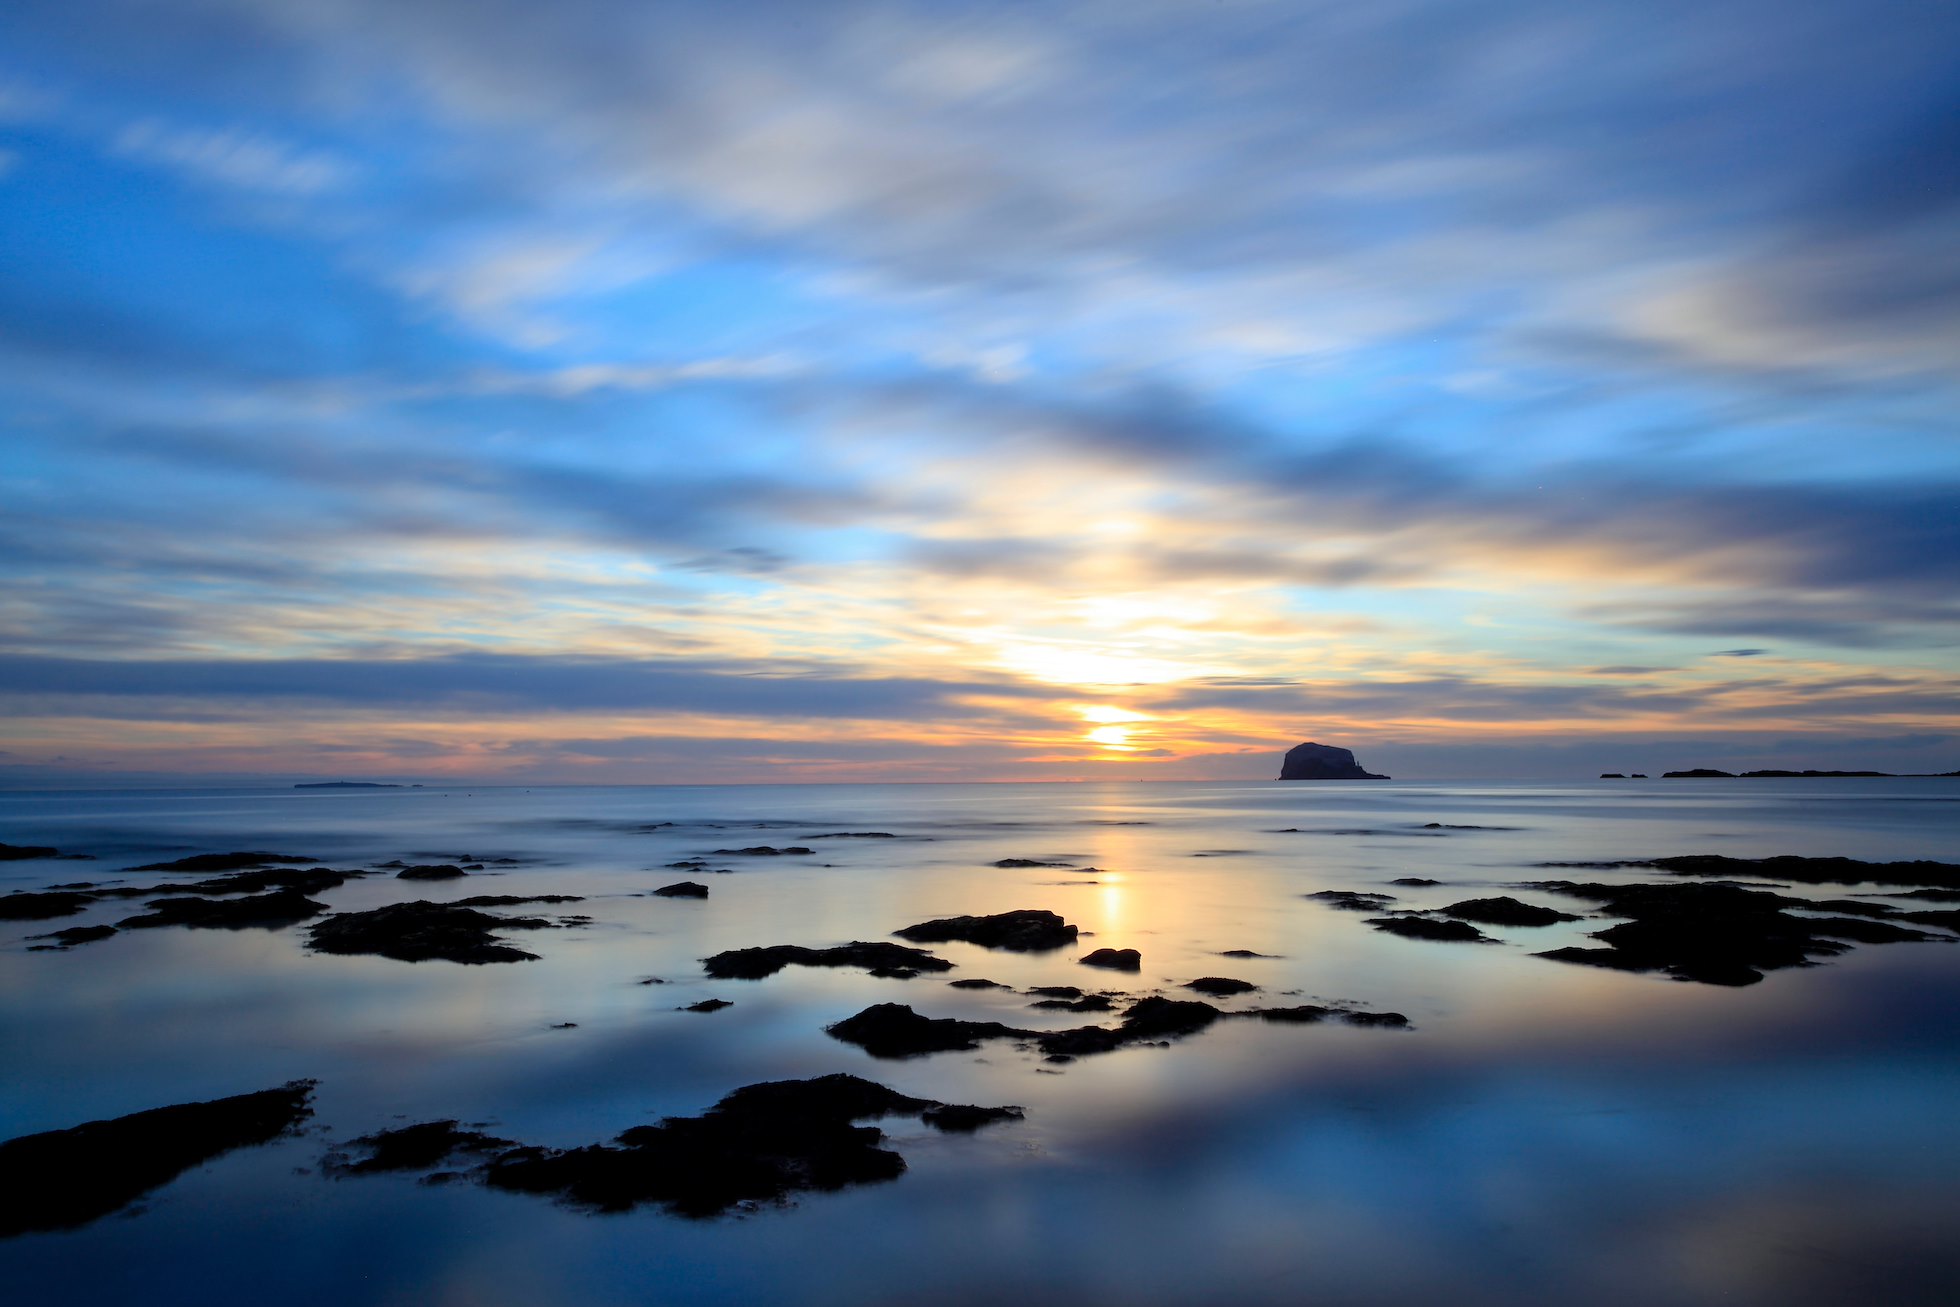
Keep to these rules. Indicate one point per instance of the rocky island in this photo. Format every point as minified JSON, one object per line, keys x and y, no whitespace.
{"x":1323,"y":762}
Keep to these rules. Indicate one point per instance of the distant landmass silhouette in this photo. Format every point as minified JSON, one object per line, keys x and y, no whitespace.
{"x":1704,"y":773}
{"x":1323,"y":762}
{"x":347,"y":785}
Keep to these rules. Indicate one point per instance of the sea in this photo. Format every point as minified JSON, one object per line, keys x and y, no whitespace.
{"x":1540,"y":1133}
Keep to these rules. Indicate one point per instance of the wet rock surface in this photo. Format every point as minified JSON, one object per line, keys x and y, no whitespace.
{"x":881,"y":959}
{"x":422,"y":932}
{"x":1115,"y":959}
{"x":683,"y":889}
{"x":226,"y":862}
{"x":265,"y":911}
{"x":1505,"y":911}
{"x":63,"y":1179}
{"x":30,"y":906}
{"x":1026,"y":930}
{"x":762,"y":1143}
{"x":1716,"y":934}
{"x":1351,"y":900}
{"x":1411,"y":926}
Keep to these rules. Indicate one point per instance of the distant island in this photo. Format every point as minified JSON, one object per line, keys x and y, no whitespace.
{"x":350,"y":785}
{"x":1323,"y":762}
{"x":1701,"y":773}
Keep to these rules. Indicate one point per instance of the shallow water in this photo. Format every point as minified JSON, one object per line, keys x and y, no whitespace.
{"x":1546,"y":1133}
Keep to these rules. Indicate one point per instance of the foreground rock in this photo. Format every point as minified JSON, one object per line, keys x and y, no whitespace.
{"x":1220,"y":986}
{"x":27,"y":906}
{"x":683,"y":889}
{"x":1505,"y":911}
{"x":431,"y":871}
{"x":892,"y":961}
{"x":1115,"y":959}
{"x":66,"y":1178}
{"x":419,"y":1147}
{"x":761,"y":1143}
{"x":1715,"y":934}
{"x":1323,"y":762}
{"x":69,"y":938}
{"x":284,"y":907}
{"x":1028,"y":930}
{"x":423,"y":932}
{"x":1351,"y":900}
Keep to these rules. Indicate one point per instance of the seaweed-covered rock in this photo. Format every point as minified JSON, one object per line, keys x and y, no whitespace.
{"x":1027,"y":930}
{"x":683,"y":889}
{"x":1351,"y":900}
{"x":27,"y":906}
{"x":1220,"y":986}
{"x":432,"y":871}
{"x":761,"y":1143}
{"x":267,"y":911}
{"x":1115,"y":959}
{"x":881,"y":959}
{"x":1505,"y":911}
{"x":1410,"y":926}
{"x":422,"y":931}
{"x":62,"y":1179}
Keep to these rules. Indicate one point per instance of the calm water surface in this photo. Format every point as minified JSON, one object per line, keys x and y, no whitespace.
{"x":1546,"y":1133}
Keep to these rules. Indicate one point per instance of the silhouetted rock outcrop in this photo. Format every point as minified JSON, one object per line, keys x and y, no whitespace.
{"x":1810,"y":871}
{"x":1027,"y":930}
{"x":1411,"y":926}
{"x":683,"y":889}
{"x":422,"y":932}
{"x":1323,"y":762}
{"x":66,"y":1178}
{"x":879,"y":958}
{"x":224,"y":862}
{"x":1116,"y":959}
{"x":23,"y":852}
{"x":29,"y":906}
{"x":265,"y":911}
{"x":1505,"y":911}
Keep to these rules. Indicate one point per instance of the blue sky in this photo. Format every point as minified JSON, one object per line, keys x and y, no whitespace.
{"x":840,"y":391}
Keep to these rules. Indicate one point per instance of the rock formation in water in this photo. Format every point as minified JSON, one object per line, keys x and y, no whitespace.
{"x":1323,"y":762}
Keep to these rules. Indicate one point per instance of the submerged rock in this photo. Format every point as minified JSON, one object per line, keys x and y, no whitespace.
{"x":761,"y":1143}
{"x":1411,"y":926}
{"x":1014,"y":864}
{"x":27,"y":906}
{"x":269,"y":911}
{"x":1116,"y":959}
{"x":1505,"y":911}
{"x":881,"y":959}
{"x":422,"y":932}
{"x":1323,"y":762}
{"x":1246,"y":953}
{"x":512,"y":900}
{"x":431,"y":871}
{"x":709,"y":1005}
{"x":683,"y":889}
{"x":1027,"y":930}
{"x":1086,"y":1003}
{"x":63,"y":1179}
{"x":419,"y":1147}
{"x":69,"y":938}
{"x":1351,"y":900}
{"x":1220,"y":986}
{"x":306,"y":880}
{"x":1311,"y":1014}
{"x":224,"y":862}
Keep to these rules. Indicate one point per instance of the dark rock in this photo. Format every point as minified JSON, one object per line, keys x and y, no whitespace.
{"x":1029,"y":930}
{"x":880,"y":958}
{"x":1116,"y":959}
{"x":1088,"y":1003}
{"x":1414,"y":882}
{"x":1698,"y":773}
{"x":69,"y":938}
{"x":1166,"y":1018}
{"x":1505,"y":911}
{"x":268,"y":911}
{"x":1244,"y":953}
{"x":421,"y":932}
{"x":23,"y":852}
{"x":709,"y":1005}
{"x":1016,"y":863}
{"x":1442,"y":825}
{"x":683,"y":889}
{"x":306,"y":880}
{"x":853,"y":835}
{"x":760,"y":851}
{"x":347,"y":785}
{"x":418,"y":1147}
{"x":1945,"y":918}
{"x":1789,"y":867}
{"x":1409,"y":926}
{"x":431,"y":871}
{"x":1612,"y":776}
{"x":1220,"y":986}
{"x":25,"y":906}
{"x":1716,"y":934}
{"x":223,"y":862}
{"x":512,"y":900}
{"x":895,"y":1030}
{"x":63,"y":1179}
{"x":1311,"y":1014}
{"x":1056,"y":991}
{"x":976,"y":983}
{"x":760,"y":1144}
{"x":962,"y":1119}
{"x":1323,"y":762}
{"x":1351,"y":900}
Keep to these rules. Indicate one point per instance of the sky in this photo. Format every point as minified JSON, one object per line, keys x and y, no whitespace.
{"x":833,"y":391}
